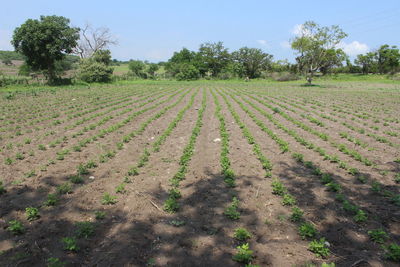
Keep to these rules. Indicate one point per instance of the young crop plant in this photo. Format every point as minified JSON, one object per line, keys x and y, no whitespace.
{"x":55,"y":262}
{"x":32,"y":213}
{"x":76,"y":179}
{"x":297,"y":214}
{"x":241,"y":234}
{"x":82,"y":169}
{"x":307,"y":230}
{"x":288,"y":200}
{"x":392,"y":252}
{"x":84,"y":229}
{"x":70,"y":244}
{"x":319,"y":248}
{"x":232,"y":210}
{"x":15,"y":227}
{"x":65,"y":188}
{"x":99,"y":215}
{"x":52,"y":200}
{"x":108,"y":199}
{"x":171,"y":205}
{"x":278,"y":188}
{"x":120,"y":189}
{"x":8,"y":161}
{"x":243,"y":254}
{"x":360,"y":216}
{"x":378,"y":236}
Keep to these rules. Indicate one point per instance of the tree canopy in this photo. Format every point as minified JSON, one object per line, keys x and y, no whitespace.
{"x":45,"y":41}
{"x":314,"y":44}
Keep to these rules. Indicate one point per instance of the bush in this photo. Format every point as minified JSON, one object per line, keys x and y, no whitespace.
{"x":91,"y":71}
{"x":187,"y":72}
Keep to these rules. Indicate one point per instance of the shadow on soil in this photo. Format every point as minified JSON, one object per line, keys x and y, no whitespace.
{"x":139,"y":242}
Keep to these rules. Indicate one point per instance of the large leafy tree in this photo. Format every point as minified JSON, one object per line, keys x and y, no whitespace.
{"x":44,"y":42}
{"x":388,"y":58}
{"x":214,"y":56}
{"x":367,"y":62}
{"x":313,"y":44}
{"x":252,"y":61}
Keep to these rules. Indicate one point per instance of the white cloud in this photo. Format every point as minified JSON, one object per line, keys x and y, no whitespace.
{"x":285,"y":44}
{"x":5,"y":38}
{"x":262,"y":42}
{"x":354,"y":48}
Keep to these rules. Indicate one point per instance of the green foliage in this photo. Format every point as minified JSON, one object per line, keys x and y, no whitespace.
{"x":360,"y":216}
{"x":297,"y":214}
{"x":187,"y":72}
{"x":91,"y":71}
{"x":392,"y":252}
{"x":45,"y":41}
{"x":52,"y":200}
{"x":243,"y":254}
{"x":288,"y":200}
{"x":120,"y":189}
{"x":232,"y":210}
{"x":307,"y":230}
{"x":82,"y":169}
{"x":136,"y":68}
{"x":171,"y":205}
{"x":65,"y":188}
{"x":251,"y":61}
{"x":84,"y":229}
{"x":316,"y":46}
{"x":54,"y":262}
{"x":76,"y":179}
{"x":108,"y":199}
{"x":278,"y":188}
{"x":15,"y":227}
{"x":70,"y":244}
{"x":378,"y":235}
{"x":241,"y":234}
{"x":319,"y":248}
{"x":99,"y":215}
{"x":32,"y":213}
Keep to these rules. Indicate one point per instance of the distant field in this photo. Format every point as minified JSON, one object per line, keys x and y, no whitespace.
{"x":163,"y":173}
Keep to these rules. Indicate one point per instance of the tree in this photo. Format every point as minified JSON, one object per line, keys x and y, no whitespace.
{"x":333,"y":58}
{"x":96,"y":68}
{"x":313,"y":45}
{"x":184,"y":56}
{"x":45,"y":41}
{"x":137,"y":67}
{"x":187,"y":72}
{"x":93,"y":40}
{"x":388,"y":59}
{"x":214,"y":56}
{"x":367,"y":62}
{"x":252,"y":61}
{"x":152,"y":69}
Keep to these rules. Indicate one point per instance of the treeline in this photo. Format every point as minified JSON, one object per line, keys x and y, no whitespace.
{"x":214,"y":61}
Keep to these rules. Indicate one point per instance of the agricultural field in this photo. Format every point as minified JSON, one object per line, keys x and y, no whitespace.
{"x":201,"y":174}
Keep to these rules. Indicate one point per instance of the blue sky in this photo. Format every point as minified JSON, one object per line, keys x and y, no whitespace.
{"x":153,"y":30}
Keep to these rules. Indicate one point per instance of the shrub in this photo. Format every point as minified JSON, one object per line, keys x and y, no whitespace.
{"x":187,"y":72}
{"x":91,"y":71}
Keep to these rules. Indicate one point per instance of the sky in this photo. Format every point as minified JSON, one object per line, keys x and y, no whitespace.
{"x":153,"y":30}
